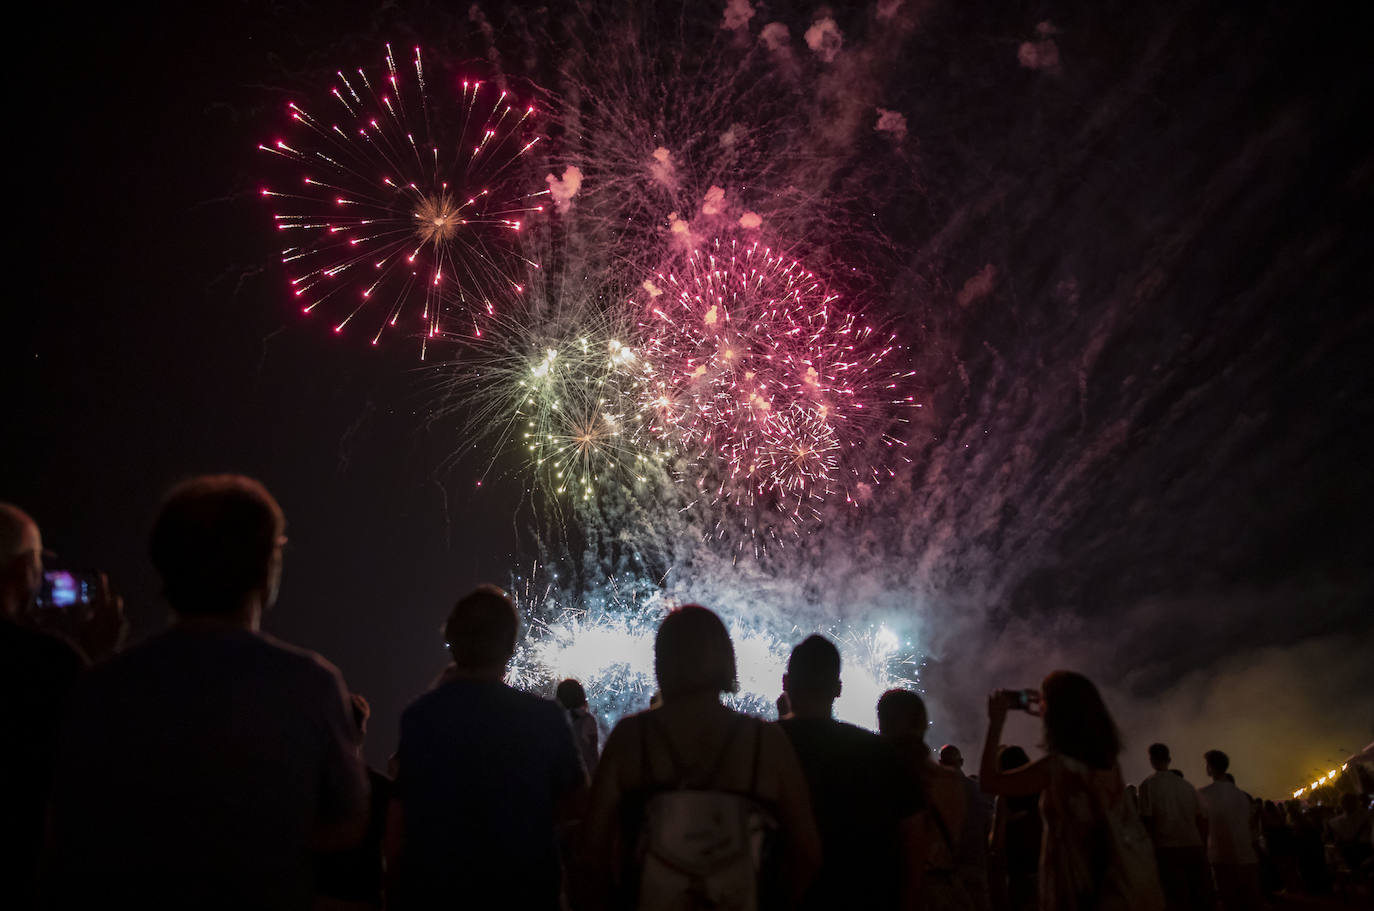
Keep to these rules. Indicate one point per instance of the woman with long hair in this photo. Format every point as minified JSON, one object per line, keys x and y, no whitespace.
{"x":1095,"y":853}
{"x":681,"y":768}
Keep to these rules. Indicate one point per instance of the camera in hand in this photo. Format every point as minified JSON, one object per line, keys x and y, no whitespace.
{"x":1025,"y":700}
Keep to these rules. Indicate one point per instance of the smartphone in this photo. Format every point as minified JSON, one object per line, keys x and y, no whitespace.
{"x":64,"y":589}
{"x":1026,"y":701}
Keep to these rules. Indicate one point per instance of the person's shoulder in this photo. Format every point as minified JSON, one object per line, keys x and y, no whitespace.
{"x":295,"y":658}
{"x":853,"y":734}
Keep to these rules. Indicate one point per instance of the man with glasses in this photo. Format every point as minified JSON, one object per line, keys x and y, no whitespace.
{"x":203,"y":767}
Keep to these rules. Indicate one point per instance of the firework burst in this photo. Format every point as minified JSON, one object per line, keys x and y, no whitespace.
{"x":403,"y":205}
{"x":557,"y":381}
{"x":760,"y":377}
{"x":605,"y":640}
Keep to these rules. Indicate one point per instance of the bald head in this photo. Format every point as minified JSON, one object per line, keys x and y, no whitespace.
{"x":21,"y":559}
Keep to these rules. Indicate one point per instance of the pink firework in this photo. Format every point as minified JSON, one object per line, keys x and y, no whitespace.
{"x":762,"y":378}
{"x":400,"y":207}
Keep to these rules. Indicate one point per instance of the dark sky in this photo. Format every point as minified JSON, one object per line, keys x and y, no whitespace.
{"x":1147,"y":428}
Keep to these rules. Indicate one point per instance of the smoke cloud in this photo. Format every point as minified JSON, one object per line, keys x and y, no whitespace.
{"x":892,"y":123}
{"x":737,"y":15}
{"x":825,"y":40}
{"x":563,"y":190}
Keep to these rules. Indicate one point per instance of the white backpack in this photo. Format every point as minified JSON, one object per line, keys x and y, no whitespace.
{"x":698,"y":848}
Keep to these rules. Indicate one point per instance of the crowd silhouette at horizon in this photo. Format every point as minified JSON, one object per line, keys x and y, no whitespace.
{"x":214,"y":766}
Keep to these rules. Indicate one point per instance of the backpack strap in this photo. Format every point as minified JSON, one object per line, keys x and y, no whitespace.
{"x":758,"y":749}
{"x":679,"y":770}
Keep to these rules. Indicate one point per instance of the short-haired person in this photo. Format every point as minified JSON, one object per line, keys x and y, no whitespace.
{"x":37,"y":673}
{"x":484,"y":772}
{"x":1083,"y":798}
{"x":1228,"y":820}
{"x":571,"y":695}
{"x":1172,"y":814}
{"x":692,"y":743}
{"x":204,"y":767}
{"x":867,"y":809}
{"x":943,"y":860}
{"x":973,"y":835}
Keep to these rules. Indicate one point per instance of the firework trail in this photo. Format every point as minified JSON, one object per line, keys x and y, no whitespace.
{"x":404,"y":203}
{"x":764,"y":382}
{"x":684,"y":133}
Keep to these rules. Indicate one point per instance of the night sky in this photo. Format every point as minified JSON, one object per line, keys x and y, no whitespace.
{"x":1136,"y":279}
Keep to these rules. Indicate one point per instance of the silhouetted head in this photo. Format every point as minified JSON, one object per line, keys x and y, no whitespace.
{"x":1159,"y":756}
{"x":1217,"y":763}
{"x":1011,"y":757}
{"x":950,"y":756}
{"x":21,"y":560}
{"x":812,"y":681}
{"x":902,"y":718}
{"x":693,"y":654}
{"x":217,"y":545}
{"x":570,"y":694}
{"x":1350,"y":803}
{"x":481,"y":632}
{"x":1077,"y":723}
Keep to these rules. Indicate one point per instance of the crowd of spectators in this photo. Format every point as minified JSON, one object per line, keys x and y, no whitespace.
{"x":212,"y":766}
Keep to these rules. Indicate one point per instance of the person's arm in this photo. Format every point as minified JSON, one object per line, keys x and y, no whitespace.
{"x":599,"y":846}
{"x":1022,"y":782}
{"x":341,"y":815}
{"x":801,"y":838}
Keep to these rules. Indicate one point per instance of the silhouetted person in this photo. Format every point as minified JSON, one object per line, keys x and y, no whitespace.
{"x":37,"y":673}
{"x":1350,"y":832}
{"x":942,"y":862}
{"x":973,"y":839}
{"x":1096,"y":852}
{"x":484,"y":773}
{"x":864,"y":803}
{"x":201,"y":768}
{"x":1230,"y":838}
{"x":573,"y":698}
{"x":1172,"y":814}
{"x":1015,"y":843}
{"x":693,"y":766}
{"x":352,"y":879}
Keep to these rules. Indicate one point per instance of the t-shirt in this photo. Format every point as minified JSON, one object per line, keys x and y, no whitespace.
{"x":1171,"y":805}
{"x":1229,"y":838}
{"x":481,"y":768}
{"x":37,"y":673}
{"x":859,"y":792}
{"x":195,"y":770}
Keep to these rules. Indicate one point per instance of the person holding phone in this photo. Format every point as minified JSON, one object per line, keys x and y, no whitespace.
{"x":1096,"y":852}
{"x":37,"y":672}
